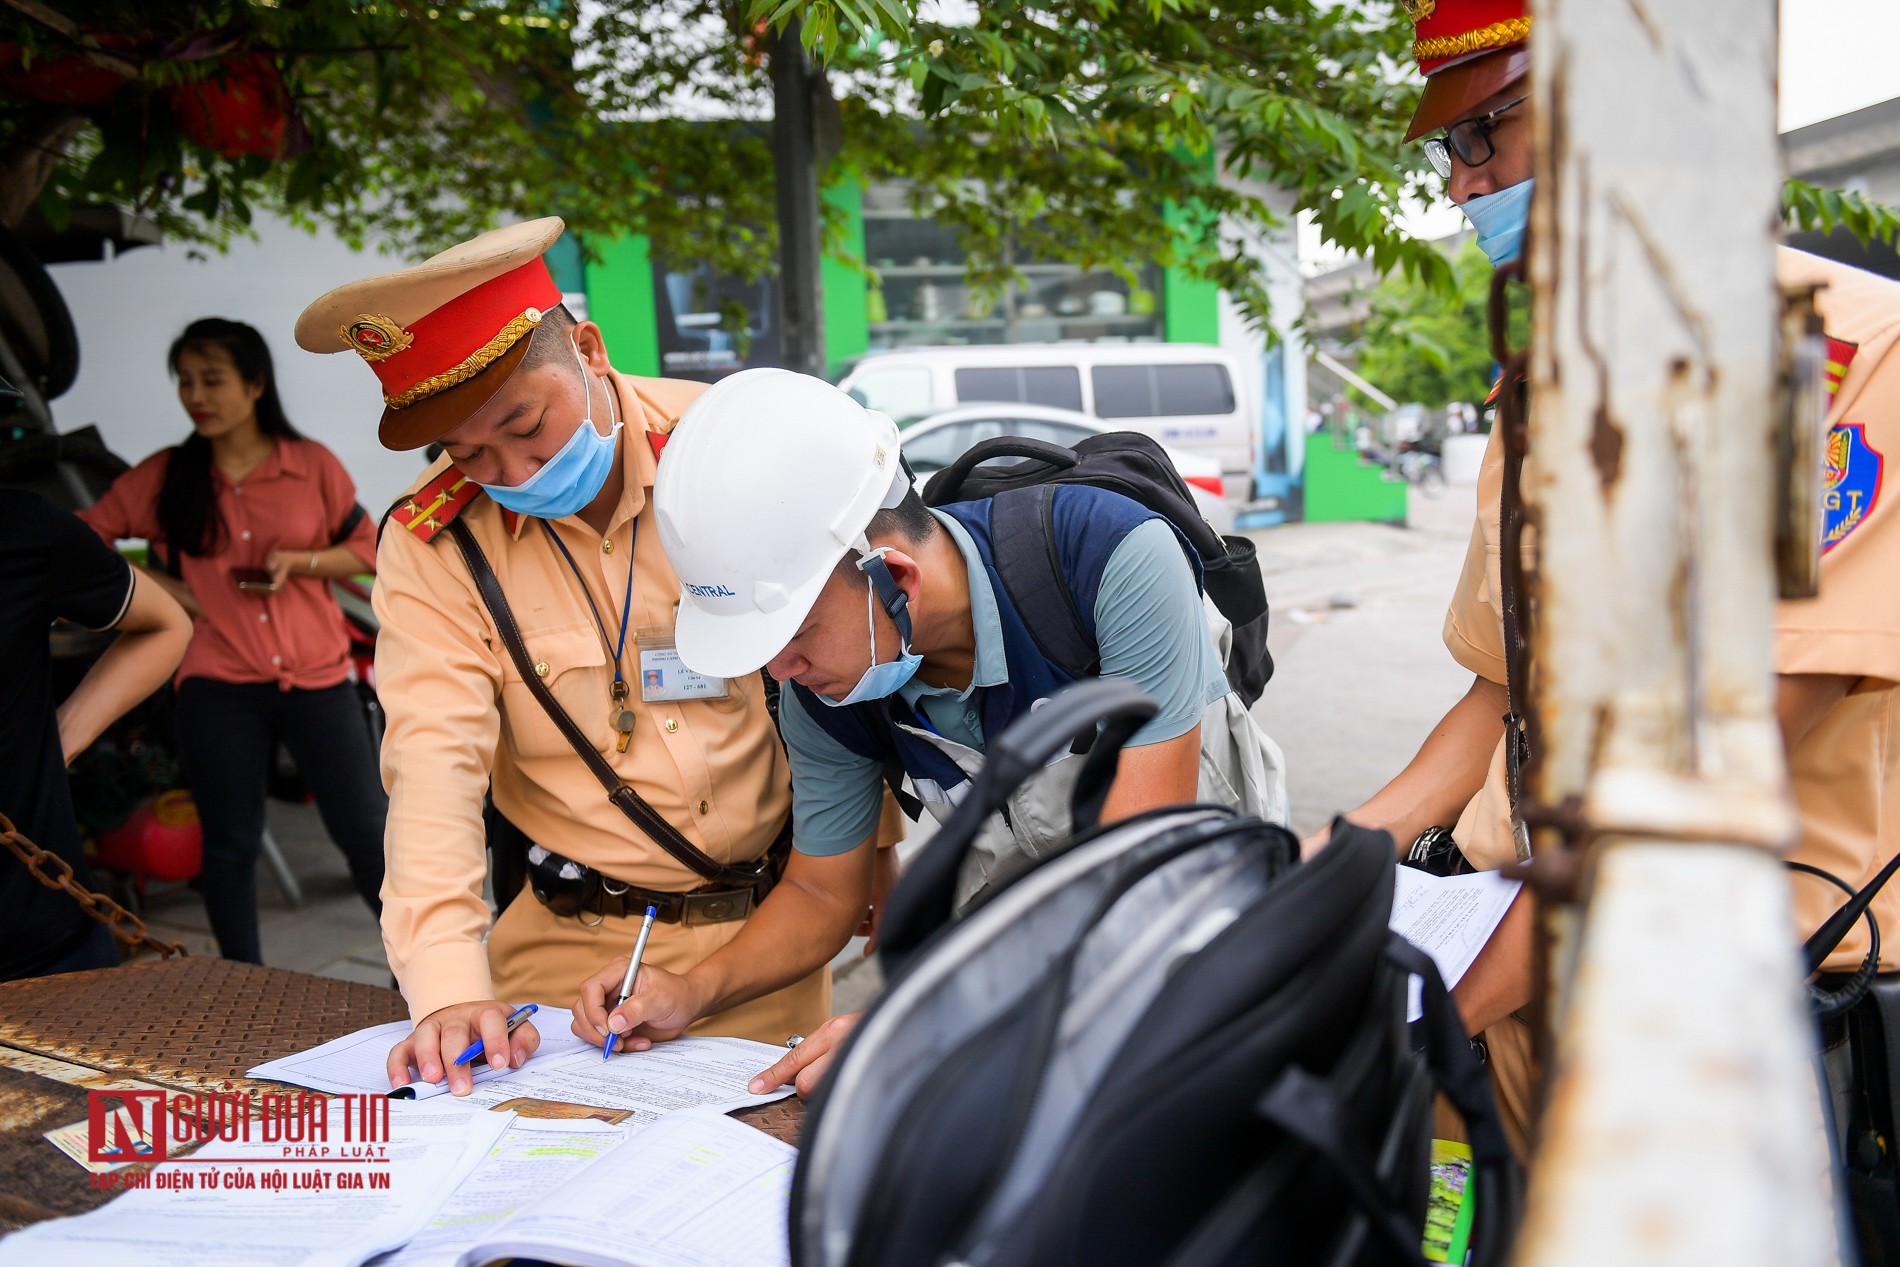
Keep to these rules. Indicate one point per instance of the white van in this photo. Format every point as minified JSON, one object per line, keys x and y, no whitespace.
{"x":1188,"y":396}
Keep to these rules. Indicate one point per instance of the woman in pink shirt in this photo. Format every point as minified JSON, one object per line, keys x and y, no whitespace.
{"x":249,"y":523}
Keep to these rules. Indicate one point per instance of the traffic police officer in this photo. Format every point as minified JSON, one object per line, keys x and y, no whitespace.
{"x":549,"y":458}
{"x":1838,"y":655}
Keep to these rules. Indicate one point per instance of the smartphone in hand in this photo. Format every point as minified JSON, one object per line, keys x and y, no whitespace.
{"x":254,"y":580}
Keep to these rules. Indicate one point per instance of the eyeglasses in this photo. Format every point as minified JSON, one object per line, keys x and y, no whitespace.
{"x":1469,"y":139}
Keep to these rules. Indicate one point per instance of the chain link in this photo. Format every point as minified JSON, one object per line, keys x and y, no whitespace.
{"x":96,"y":905}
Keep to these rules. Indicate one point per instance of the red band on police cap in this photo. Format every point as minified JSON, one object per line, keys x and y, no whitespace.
{"x":458,"y":340}
{"x":1450,"y":31}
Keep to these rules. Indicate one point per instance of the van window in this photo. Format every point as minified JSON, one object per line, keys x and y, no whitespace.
{"x":1057,"y":386}
{"x":896,"y":392}
{"x":1158,"y":391}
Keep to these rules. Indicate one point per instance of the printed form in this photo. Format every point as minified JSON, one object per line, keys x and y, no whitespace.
{"x":686,"y":1073}
{"x":1450,"y":918}
{"x":692,"y":1190}
{"x":534,"y":1158}
{"x":359,"y":1061}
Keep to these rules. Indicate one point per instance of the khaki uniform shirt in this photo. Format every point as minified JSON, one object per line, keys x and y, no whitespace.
{"x":458,"y":714}
{"x":1846,"y":771}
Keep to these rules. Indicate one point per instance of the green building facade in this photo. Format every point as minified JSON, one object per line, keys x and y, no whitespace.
{"x":662,"y":322}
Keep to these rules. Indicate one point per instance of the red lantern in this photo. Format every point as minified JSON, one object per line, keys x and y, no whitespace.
{"x":162,"y":840}
{"x":58,"y":81}
{"x":243,"y":108}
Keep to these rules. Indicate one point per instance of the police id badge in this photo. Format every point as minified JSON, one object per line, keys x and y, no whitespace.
{"x":665,"y":678}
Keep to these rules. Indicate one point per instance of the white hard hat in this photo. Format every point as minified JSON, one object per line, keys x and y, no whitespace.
{"x":767,"y":480}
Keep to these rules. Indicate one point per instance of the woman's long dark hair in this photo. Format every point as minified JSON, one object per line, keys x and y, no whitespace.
{"x":187,"y":501}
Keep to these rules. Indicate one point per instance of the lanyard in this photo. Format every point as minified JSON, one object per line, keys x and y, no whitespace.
{"x":619,"y":689}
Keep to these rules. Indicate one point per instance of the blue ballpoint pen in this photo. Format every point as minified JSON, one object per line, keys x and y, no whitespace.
{"x":633,"y":968}
{"x":519,"y":1015}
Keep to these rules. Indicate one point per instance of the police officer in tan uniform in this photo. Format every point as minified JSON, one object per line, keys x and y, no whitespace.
{"x":546,"y":480}
{"x":1838,"y":655}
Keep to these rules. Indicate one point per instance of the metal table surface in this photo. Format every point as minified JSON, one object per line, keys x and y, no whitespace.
{"x":182,"y":1025}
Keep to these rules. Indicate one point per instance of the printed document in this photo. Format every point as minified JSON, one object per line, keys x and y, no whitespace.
{"x":692,"y":1190}
{"x":1450,"y":918}
{"x":686,"y":1073}
{"x":359,"y":1061}
{"x":212,"y":1224}
{"x":532,"y":1160}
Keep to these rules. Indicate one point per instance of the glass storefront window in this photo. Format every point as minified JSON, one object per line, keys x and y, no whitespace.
{"x":919,"y":296}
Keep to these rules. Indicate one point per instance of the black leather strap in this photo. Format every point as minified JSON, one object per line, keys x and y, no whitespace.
{"x":624,"y":798}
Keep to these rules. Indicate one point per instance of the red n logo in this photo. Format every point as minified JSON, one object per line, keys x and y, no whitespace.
{"x":125,"y":1126}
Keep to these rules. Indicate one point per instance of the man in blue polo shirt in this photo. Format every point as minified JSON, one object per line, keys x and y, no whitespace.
{"x":802,"y":547}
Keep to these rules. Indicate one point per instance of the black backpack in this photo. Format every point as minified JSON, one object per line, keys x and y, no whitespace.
{"x":1124,"y":462}
{"x":1172,"y":1043}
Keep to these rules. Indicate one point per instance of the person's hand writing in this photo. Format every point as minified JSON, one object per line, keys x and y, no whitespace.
{"x":661,"y":1006}
{"x":805,"y":1065}
{"x":446,"y":1033}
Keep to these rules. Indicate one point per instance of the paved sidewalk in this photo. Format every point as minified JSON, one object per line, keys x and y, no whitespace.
{"x":1360,"y":678}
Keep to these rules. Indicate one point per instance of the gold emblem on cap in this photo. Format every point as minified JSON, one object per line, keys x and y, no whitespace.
{"x":1418,"y":10}
{"x":376,"y":338}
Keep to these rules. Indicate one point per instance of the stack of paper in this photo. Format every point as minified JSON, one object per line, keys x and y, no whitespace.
{"x":693,"y":1189}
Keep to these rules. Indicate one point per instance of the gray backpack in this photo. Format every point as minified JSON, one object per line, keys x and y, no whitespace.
{"x":1171,"y":1043}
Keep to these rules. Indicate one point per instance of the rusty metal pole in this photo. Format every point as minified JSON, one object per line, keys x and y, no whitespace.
{"x":1683,"y":1121}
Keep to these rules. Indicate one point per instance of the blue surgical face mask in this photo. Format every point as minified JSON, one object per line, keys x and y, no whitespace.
{"x":1500,"y":220}
{"x":574,"y":476}
{"x":884,"y":679}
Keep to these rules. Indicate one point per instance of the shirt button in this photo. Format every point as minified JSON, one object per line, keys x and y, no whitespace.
{"x":264,"y":616}
{"x":245,"y":535}
{"x":702,"y":807}
{"x":541,"y":668}
{"x":672,"y":724}
{"x":607,"y":546}
{"x":277,"y":659}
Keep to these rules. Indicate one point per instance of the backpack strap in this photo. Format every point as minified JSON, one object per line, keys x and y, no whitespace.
{"x":1023,"y":547}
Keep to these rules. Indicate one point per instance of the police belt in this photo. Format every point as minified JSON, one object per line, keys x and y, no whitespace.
{"x":567,"y":888}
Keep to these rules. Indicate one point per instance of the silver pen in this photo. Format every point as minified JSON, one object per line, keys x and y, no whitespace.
{"x":633,"y":970}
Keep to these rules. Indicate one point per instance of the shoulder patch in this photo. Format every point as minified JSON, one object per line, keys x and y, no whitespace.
{"x":1840,"y":355}
{"x":434,"y":506}
{"x":1850,"y":483}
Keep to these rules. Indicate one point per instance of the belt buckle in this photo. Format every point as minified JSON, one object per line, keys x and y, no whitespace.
{"x":718,"y":907}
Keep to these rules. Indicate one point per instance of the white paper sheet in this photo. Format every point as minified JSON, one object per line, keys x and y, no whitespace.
{"x":534,"y":1158}
{"x":692,"y":1190}
{"x":686,"y":1073}
{"x":1450,"y":918}
{"x":359,"y":1061}
{"x":429,"y":1155}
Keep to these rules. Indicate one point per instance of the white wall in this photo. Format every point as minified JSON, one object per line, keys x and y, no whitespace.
{"x":128,"y":310}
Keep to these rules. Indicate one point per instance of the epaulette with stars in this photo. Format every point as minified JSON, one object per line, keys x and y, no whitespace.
{"x":434,"y":506}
